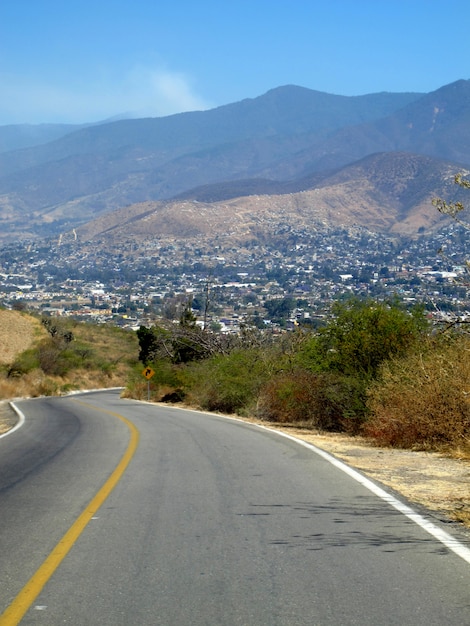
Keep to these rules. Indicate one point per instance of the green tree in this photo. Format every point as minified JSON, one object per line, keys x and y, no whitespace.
{"x":155,"y":343}
{"x":279,"y":310}
{"x":364,"y":333}
{"x":187,"y":317}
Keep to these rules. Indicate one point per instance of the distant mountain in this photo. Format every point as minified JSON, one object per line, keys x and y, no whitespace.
{"x":19,"y":136}
{"x":273,"y":144}
{"x":103,"y":167}
{"x":279,"y":114}
{"x":437,"y":124}
{"x":386,"y":192}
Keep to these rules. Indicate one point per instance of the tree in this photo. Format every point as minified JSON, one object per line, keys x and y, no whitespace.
{"x":279,"y":310}
{"x":181,"y":343}
{"x":364,"y":333}
{"x":453,"y":209}
{"x":151,"y":343}
{"x":187,"y":317}
{"x":57,"y":330}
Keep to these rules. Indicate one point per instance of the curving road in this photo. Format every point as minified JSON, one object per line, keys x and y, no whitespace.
{"x":204,"y":521}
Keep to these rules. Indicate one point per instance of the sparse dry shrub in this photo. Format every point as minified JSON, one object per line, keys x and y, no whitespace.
{"x":290,"y":397}
{"x":423,"y":400}
{"x":136,"y":389}
{"x":30,"y":385}
{"x":325,"y":400}
{"x":49,"y":356}
{"x":47,"y":387}
{"x":10,"y":388}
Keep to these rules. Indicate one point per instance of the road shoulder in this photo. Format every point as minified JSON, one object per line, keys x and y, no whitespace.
{"x":8,"y":417}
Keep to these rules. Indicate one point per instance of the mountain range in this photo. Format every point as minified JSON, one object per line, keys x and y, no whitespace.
{"x":375,"y":160}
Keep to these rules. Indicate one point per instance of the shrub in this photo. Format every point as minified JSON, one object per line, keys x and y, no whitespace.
{"x":56,"y":360}
{"x":228,"y":383}
{"x":324,"y":400}
{"x":423,"y":400}
{"x":24,"y":363}
{"x":165,"y":385}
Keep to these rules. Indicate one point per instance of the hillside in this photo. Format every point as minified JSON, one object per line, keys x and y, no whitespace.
{"x":20,"y":136}
{"x":286,"y":136}
{"x":18,"y":332}
{"x":69,"y":181}
{"x":390,"y":192}
{"x":33,"y":362}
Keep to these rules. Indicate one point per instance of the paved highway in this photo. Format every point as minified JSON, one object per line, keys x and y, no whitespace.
{"x":114,"y":512}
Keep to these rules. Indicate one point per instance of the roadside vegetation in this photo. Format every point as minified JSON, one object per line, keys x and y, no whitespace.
{"x":50,"y":356}
{"x":374,"y":369}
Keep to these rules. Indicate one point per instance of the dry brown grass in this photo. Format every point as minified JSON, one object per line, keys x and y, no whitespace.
{"x":423,"y":401}
{"x":18,"y":332}
{"x":101,"y":356}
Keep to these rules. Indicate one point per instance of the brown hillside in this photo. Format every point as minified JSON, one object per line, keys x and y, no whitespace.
{"x":390,"y":193}
{"x":17,"y":333}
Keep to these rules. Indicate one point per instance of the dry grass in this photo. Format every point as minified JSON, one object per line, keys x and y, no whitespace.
{"x":423,"y":401}
{"x":18,"y":332}
{"x":98,"y":357}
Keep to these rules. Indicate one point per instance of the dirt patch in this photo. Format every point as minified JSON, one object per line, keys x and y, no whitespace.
{"x":17,"y":333}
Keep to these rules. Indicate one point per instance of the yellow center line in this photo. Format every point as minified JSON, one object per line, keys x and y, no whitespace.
{"x":20,"y":605}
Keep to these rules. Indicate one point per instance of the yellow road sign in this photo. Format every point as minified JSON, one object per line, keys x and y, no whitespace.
{"x":148,"y":373}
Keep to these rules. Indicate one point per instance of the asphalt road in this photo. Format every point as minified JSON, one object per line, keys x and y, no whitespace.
{"x":214,"y":522}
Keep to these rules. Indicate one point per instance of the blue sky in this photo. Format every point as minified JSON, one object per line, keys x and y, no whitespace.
{"x":81,"y":61}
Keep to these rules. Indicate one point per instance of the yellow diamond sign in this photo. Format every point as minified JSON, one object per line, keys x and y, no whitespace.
{"x":148,"y":372}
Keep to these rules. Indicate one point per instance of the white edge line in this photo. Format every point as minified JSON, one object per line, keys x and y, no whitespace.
{"x":441,"y":535}
{"x":21,"y":417}
{"x":21,"y":420}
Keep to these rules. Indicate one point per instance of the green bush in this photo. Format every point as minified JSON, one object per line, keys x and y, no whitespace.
{"x":324,"y":400}
{"x":167,"y":384}
{"x":228,"y":383}
{"x":24,"y":363}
